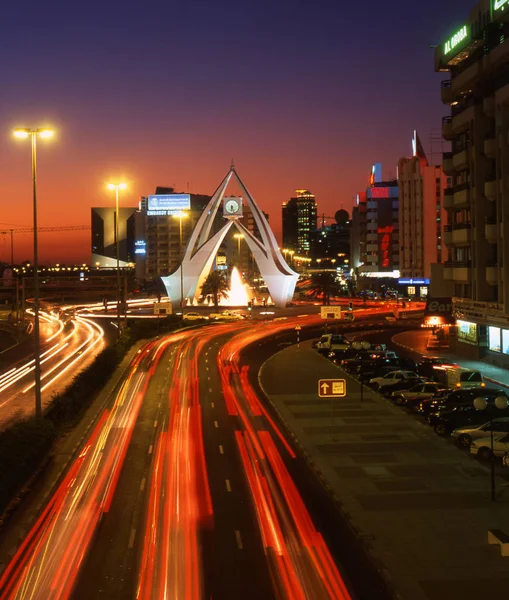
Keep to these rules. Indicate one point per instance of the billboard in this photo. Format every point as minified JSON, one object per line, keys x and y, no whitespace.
{"x":168,"y":203}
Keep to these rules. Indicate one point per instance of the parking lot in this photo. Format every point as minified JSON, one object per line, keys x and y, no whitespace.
{"x":420,"y":503}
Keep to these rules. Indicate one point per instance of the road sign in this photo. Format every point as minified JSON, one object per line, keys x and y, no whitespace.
{"x":332,"y":388}
{"x":330,"y":312}
{"x":162,"y":308}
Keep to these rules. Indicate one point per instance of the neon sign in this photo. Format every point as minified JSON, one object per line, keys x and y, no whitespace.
{"x":497,"y":4}
{"x":458,"y":37}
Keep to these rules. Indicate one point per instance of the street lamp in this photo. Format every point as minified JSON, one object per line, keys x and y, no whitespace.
{"x":24,"y":133}
{"x":117,"y":187}
{"x":181,"y":215}
{"x":291,"y":252}
{"x":481,"y":404}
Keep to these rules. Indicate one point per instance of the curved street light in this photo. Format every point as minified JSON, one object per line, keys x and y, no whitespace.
{"x":117,"y":187}
{"x":25,"y":133}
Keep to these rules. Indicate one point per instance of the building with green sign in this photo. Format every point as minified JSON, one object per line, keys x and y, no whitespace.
{"x":475,"y":57}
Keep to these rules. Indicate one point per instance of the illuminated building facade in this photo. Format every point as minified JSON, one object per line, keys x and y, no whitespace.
{"x":375,"y":228}
{"x":299,"y":219}
{"x":422,"y":216}
{"x":104,"y":252}
{"x":332,"y":242}
{"x":476,"y":59}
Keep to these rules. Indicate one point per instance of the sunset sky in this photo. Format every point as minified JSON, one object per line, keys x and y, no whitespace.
{"x":299,"y":94}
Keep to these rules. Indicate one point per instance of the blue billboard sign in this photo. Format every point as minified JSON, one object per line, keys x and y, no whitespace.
{"x":411,"y":281}
{"x":170,"y":203}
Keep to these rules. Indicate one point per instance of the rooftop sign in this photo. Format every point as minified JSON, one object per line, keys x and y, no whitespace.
{"x":459,"y":36}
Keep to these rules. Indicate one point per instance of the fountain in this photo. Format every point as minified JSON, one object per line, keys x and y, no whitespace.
{"x":238,"y":294}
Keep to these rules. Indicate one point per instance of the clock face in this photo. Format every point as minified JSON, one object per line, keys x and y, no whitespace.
{"x":232,"y":206}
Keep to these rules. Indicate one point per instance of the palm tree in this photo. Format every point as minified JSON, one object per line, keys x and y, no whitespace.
{"x":216,"y":286}
{"x":324,"y":286}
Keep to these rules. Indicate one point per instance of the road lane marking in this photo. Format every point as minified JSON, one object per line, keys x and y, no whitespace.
{"x":131,"y":538}
{"x":216,"y":424}
{"x":155,"y":423}
{"x":208,"y":378}
{"x":210,"y":389}
{"x":239,"y":539}
{"x":228,"y":486}
{"x":150,"y":448}
{"x":212,"y":404}
{"x":142,"y":486}
{"x":221,"y":450}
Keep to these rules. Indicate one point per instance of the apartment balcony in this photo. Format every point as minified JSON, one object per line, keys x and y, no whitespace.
{"x":447,"y":235}
{"x":446,"y":91}
{"x":490,"y":189}
{"x":464,"y":81}
{"x":460,"y":160}
{"x":491,"y":230}
{"x":490,"y":147}
{"x":448,"y":198}
{"x":462,"y":120}
{"x":447,"y":163}
{"x":461,"y":198}
{"x":459,"y":272}
{"x":492,"y":275}
{"x":447,"y":132}
{"x":461,"y":234}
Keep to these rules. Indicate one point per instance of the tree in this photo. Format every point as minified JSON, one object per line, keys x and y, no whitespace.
{"x":216,"y":285}
{"x":324,"y":286}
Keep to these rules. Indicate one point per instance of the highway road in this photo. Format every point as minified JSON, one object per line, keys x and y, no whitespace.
{"x":184,"y":489}
{"x":66,"y":348}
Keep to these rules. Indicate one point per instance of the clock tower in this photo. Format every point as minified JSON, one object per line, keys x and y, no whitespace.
{"x":232,"y":207}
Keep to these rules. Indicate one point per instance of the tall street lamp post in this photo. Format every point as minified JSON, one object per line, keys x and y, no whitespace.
{"x":24,"y":133}
{"x":181,"y":215}
{"x":117,"y":187}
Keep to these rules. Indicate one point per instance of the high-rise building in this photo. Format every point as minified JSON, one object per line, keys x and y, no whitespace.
{"x":422,"y":216}
{"x":375,"y":228}
{"x":332,"y":242}
{"x":299,"y":221}
{"x":476,"y":57}
{"x":104,"y":247}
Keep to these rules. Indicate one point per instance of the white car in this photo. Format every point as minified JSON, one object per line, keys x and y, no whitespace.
{"x":482,"y":447}
{"x":194,"y":316}
{"x":378,"y":383}
{"x":466,"y":435}
{"x":227,"y":315}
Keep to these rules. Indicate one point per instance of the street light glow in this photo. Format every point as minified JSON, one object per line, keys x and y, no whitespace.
{"x":46,"y":133}
{"x":21,"y":133}
{"x":117,"y":186}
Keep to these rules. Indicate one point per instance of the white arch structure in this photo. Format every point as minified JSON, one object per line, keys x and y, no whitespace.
{"x":202,"y":249}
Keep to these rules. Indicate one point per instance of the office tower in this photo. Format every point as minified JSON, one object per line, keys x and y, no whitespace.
{"x":299,"y":221}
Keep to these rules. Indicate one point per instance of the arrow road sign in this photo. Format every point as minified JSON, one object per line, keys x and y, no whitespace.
{"x":332,"y":388}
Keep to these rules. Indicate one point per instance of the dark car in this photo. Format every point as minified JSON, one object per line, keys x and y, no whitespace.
{"x":445,"y":422}
{"x":368,"y":370}
{"x":426,"y":367}
{"x":429,"y":408}
{"x":366,"y":357}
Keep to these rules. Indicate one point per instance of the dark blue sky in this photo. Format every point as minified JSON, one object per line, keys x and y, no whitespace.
{"x":300,"y":94}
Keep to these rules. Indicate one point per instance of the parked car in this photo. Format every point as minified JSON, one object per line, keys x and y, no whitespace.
{"x":332,"y":342}
{"x":371,"y":369}
{"x":378,"y":383}
{"x":368,"y":356}
{"x":456,"y":377}
{"x":194,"y":316}
{"x":415,"y":394}
{"x":466,"y":435}
{"x":482,"y":447}
{"x":402,"y":385}
{"x":455,"y":398}
{"x":445,"y":422}
{"x":426,"y":366}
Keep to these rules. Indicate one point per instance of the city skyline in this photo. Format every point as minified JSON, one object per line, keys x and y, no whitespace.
{"x":293,"y":110}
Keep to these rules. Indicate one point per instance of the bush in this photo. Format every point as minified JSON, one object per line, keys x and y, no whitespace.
{"x":22,"y":449}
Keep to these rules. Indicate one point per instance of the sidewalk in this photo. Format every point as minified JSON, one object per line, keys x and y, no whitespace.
{"x":416,"y":340}
{"x":420,"y":506}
